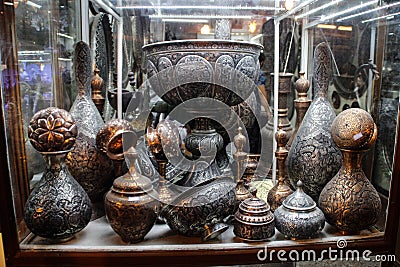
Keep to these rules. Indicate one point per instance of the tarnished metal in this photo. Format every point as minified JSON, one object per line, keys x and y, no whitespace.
{"x":92,"y":169}
{"x":301,"y":104}
{"x":299,"y":217}
{"x":313,"y":157}
{"x":254,"y":220}
{"x":281,"y":190}
{"x":200,"y":210}
{"x":58,"y":207}
{"x":349,"y":201}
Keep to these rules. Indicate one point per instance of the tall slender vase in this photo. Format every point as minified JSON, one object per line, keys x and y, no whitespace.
{"x":91,"y":168}
{"x":58,"y":207}
{"x":313,"y":157}
{"x":349,"y":201}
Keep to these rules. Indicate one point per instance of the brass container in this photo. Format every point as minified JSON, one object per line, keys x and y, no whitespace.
{"x":131,"y":205}
{"x":254,"y":220}
{"x":349,"y":201}
{"x":299,"y":217}
{"x":313,"y":156}
{"x":58,"y":207}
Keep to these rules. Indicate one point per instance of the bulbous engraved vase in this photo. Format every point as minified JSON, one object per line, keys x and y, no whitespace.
{"x":313,"y":156}
{"x":58,"y":207}
{"x":131,"y":204}
{"x":92,"y":169}
{"x":349,"y":201}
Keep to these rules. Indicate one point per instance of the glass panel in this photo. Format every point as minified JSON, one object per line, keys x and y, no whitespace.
{"x":46,"y":32}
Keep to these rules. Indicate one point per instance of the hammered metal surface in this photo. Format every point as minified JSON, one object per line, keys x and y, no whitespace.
{"x":58,"y":207}
{"x":254,"y":220}
{"x":299,"y":217}
{"x":92,"y":169}
{"x":313,"y":157}
{"x":349,"y":201}
{"x":201,"y":206}
{"x":52,"y":129}
{"x":131,"y":204}
{"x":195,"y":73}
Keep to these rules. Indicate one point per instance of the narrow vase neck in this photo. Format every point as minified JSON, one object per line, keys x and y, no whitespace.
{"x":352,"y":160}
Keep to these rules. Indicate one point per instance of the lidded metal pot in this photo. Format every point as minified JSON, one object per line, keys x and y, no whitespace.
{"x":254,"y":220}
{"x":299,"y":217}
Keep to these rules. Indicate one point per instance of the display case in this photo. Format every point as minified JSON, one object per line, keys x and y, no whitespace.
{"x":38,"y":39}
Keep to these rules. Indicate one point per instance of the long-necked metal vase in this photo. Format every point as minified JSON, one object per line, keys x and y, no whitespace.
{"x":313,"y":157}
{"x":58,"y":207}
{"x":349,"y":201}
{"x":92,"y":169}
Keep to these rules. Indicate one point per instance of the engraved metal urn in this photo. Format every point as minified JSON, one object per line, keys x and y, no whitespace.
{"x":299,"y":217}
{"x":313,"y":156}
{"x":349,"y":201}
{"x":278,"y":193}
{"x":131,"y":205}
{"x":254,"y":220}
{"x":58,"y":207}
{"x":92,"y":169}
{"x":198,"y":75}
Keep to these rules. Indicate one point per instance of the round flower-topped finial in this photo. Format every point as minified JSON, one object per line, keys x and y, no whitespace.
{"x":354,"y":129}
{"x":52,"y":129}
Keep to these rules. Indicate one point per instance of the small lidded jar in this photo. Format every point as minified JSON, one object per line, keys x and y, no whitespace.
{"x":254,"y":220}
{"x":299,"y":217}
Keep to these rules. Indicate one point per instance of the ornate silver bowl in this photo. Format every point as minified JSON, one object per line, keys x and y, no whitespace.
{"x":219,"y":69}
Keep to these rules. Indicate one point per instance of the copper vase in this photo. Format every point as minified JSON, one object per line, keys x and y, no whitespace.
{"x":349,"y":201}
{"x":313,"y":156}
{"x":131,"y":205}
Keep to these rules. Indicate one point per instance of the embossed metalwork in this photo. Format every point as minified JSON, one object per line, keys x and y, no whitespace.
{"x":192,"y":59}
{"x":254,"y":220}
{"x":200,"y":210}
{"x":109,"y":142}
{"x":52,"y":129}
{"x":102,"y":47}
{"x":223,"y":29}
{"x":299,"y":217}
{"x":349,"y":201}
{"x":313,"y":157}
{"x":92,"y":169}
{"x":131,"y":204}
{"x":58,"y":207}
{"x":281,"y":190}
{"x":301,"y":104}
